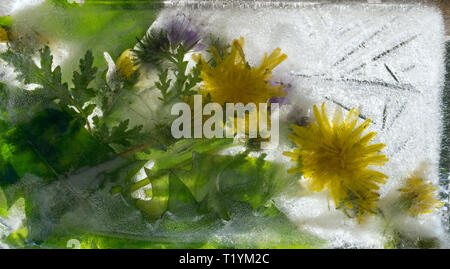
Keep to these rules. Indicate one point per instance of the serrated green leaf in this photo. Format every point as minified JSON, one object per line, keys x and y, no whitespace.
{"x":50,"y":79}
{"x":120,"y":134}
{"x":81,"y":91}
{"x":48,"y":146}
{"x":29,"y":72}
{"x":213,"y":179}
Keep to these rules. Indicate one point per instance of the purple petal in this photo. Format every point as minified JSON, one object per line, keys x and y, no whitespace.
{"x":281,"y":100}
{"x":179,"y":31}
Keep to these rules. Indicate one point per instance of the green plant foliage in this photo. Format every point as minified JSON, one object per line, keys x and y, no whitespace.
{"x":182,"y":151}
{"x":215,"y":179}
{"x":3,"y":204}
{"x":120,"y":134}
{"x":13,"y":236}
{"x":6,"y":21}
{"x":158,"y":204}
{"x":98,"y":26}
{"x":265,"y":228}
{"x":80,"y":98}
{"x":52,"y":87}
{"x":212,"y":180}
{"x":72,"y":151}
{"x":184,"y":83}
{"x":152,"y":47}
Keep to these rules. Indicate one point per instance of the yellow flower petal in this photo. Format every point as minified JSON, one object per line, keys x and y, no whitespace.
{"x":420,"y":196}
{"x":125,"y":66}
{"x":336,"y":156}
{"x":232,"y":80}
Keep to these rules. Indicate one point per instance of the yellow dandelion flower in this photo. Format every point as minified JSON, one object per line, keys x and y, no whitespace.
{"x":419,"y":196}
{"x":3,"y":35}
{"x":336,"y":156}
{"x":125,"y":66}
{"x":233,"y":80}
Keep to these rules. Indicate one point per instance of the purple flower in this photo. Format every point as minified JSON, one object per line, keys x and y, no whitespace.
{"x":281,"y":100}
{"x":179,"y":31}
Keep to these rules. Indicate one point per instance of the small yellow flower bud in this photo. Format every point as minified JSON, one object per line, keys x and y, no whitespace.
{"x":3,"y":35}
{"x":420,"y":196}
{"x":125,"y":66}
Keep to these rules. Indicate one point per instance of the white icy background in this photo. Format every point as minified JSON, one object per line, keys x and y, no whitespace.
{"x":341,"y":54}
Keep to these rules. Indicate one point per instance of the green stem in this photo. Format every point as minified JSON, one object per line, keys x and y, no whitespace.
{"x":138,"y":148}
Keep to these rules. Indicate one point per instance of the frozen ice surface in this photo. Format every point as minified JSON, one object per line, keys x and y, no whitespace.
{"x":14,"y":220}
{"x":385,"y":59}
{"x":9,"y":6}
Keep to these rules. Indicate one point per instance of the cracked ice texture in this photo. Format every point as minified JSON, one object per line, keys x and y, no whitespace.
{"x":388,"y":60}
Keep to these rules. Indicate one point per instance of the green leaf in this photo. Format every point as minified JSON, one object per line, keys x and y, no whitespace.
{"x":19,"y":157}
{"x":29,"y":72}
{"x":163,"y":84}
{"x":113,"y":127}
{"x":63,"y":3}
{"x":182,"y":150}
{"x":3,"y":204}
{"x":181,"y":202}
{"x":62,"y":142}
{"x":120,"y":134}
{"x":6,"y":21}
{"x":81,"y":91}
{"x":168,"y":194}
{"x":155,"y":207}
{"x":214,"y":179}
{"x":184,"y":83}
{"x":48,"y":146}
{"x":17,"y":238}
{"x":50,"y":80}
{"x":19,"y":105}
{"x":77,"y":97}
